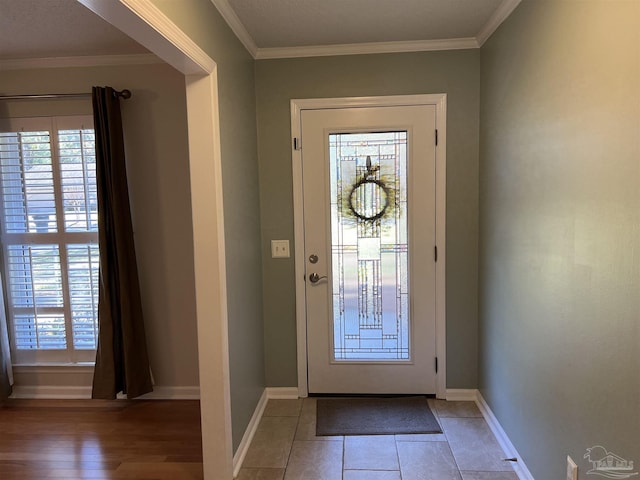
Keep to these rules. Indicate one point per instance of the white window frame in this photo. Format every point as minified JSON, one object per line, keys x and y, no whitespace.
{"x":61,"y":238}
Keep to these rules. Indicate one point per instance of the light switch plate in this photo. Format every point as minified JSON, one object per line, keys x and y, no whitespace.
{"x":280,"y":249}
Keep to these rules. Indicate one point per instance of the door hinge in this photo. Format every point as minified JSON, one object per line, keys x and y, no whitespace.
{"x":436,"y":137}
{"x":436,"y":364}
{"x":435,"y":253}
{"x":297,"y":144}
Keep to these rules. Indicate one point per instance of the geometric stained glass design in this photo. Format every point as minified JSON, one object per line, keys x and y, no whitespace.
{"x":370,"y":287}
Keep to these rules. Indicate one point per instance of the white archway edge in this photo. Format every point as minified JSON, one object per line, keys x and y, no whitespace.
{"x":210,"y":274}
{"x":145,"y":23}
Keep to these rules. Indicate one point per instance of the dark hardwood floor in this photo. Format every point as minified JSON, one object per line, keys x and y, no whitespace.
{"x":97,"y":439}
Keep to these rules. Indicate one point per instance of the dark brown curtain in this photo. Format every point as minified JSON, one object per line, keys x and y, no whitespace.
{"x":5,"y":386}
{"x":122,"y":363}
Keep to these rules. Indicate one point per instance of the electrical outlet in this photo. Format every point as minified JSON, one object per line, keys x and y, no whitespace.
{"x":572,"y":469}
{"x":280,"y":249}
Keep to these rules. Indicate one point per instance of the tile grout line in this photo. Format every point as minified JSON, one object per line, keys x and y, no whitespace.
{"x":439,"y":419}
{"x":395,"y":441}
{"x":343,"y":476}
{"x":295,"y":432}
{"x":454,"y":458}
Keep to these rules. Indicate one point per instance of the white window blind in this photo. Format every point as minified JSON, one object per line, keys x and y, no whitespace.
{"x":48,"y":208}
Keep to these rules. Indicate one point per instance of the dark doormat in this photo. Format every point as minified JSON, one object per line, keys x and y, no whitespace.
{"x":375,"y":416}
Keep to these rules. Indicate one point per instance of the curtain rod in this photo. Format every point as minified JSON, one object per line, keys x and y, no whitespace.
{"x":123,"y":94}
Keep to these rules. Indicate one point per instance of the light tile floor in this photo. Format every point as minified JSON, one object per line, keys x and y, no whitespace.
{"x":285,"y":447}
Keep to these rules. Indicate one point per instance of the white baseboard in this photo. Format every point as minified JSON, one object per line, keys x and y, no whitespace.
{"x":51,"y":392}
{"x":84,"y":392}
{"x":172,"y":393}
{"x":461,"y":395}
{"x":520,"y":468}
{"x":249,"y":433}
{"x":275,"y":393}
{"x":282,"y":393}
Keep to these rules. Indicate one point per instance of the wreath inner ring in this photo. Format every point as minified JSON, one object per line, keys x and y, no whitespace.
{"x":353,"y":204}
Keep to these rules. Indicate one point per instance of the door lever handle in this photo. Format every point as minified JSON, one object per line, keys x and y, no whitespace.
{"x":315,"y":278}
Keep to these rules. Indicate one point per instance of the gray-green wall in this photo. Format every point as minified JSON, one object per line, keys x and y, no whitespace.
{"x":560,"y":230}
{"x":202,"y":22}
{"x":455,"y":73}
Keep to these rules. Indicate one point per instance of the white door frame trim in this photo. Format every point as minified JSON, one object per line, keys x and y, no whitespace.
{"x":297,"y":106}
{"x":148,"y":25}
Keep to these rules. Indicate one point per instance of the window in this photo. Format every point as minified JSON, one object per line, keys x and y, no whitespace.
{"x":49,"y":216}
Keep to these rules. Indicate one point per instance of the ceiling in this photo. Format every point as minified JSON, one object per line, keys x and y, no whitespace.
{"x":287,"y":23}
{"x":269,"y":29}
{"x":58,"y":28}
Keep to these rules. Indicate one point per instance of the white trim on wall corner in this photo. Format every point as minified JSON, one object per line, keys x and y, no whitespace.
{"x":276,"y":393}
{"x":282,"y":393}
{"x":79,"y":61}
{"x":520,"y":468}
{"x":207,"y":212}
{"x":173,"y":393}
{"x":461,"y":395}
{"x":474,"y":395}
{"x":366,"y":48}
{"x":249,"y":433}
{"x":146,"y":24}
{"x":500,"y":15}
{"x":171,"y":32}
{"x":236,"y":25}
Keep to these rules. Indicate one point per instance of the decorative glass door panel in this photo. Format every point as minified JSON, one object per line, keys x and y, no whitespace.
{"x":369,"y":246}
{"x":368,"y":178}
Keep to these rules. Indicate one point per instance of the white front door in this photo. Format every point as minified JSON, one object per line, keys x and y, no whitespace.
{"x":369,"y":177}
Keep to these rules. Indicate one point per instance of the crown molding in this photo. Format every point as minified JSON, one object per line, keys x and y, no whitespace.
{"x":367,"y":48}
{"x":162,"y":24}
{"x":79,"y":61}
{"x":500,"y":15}
{"x":154,"y":30}
{"x":236,"y":25}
